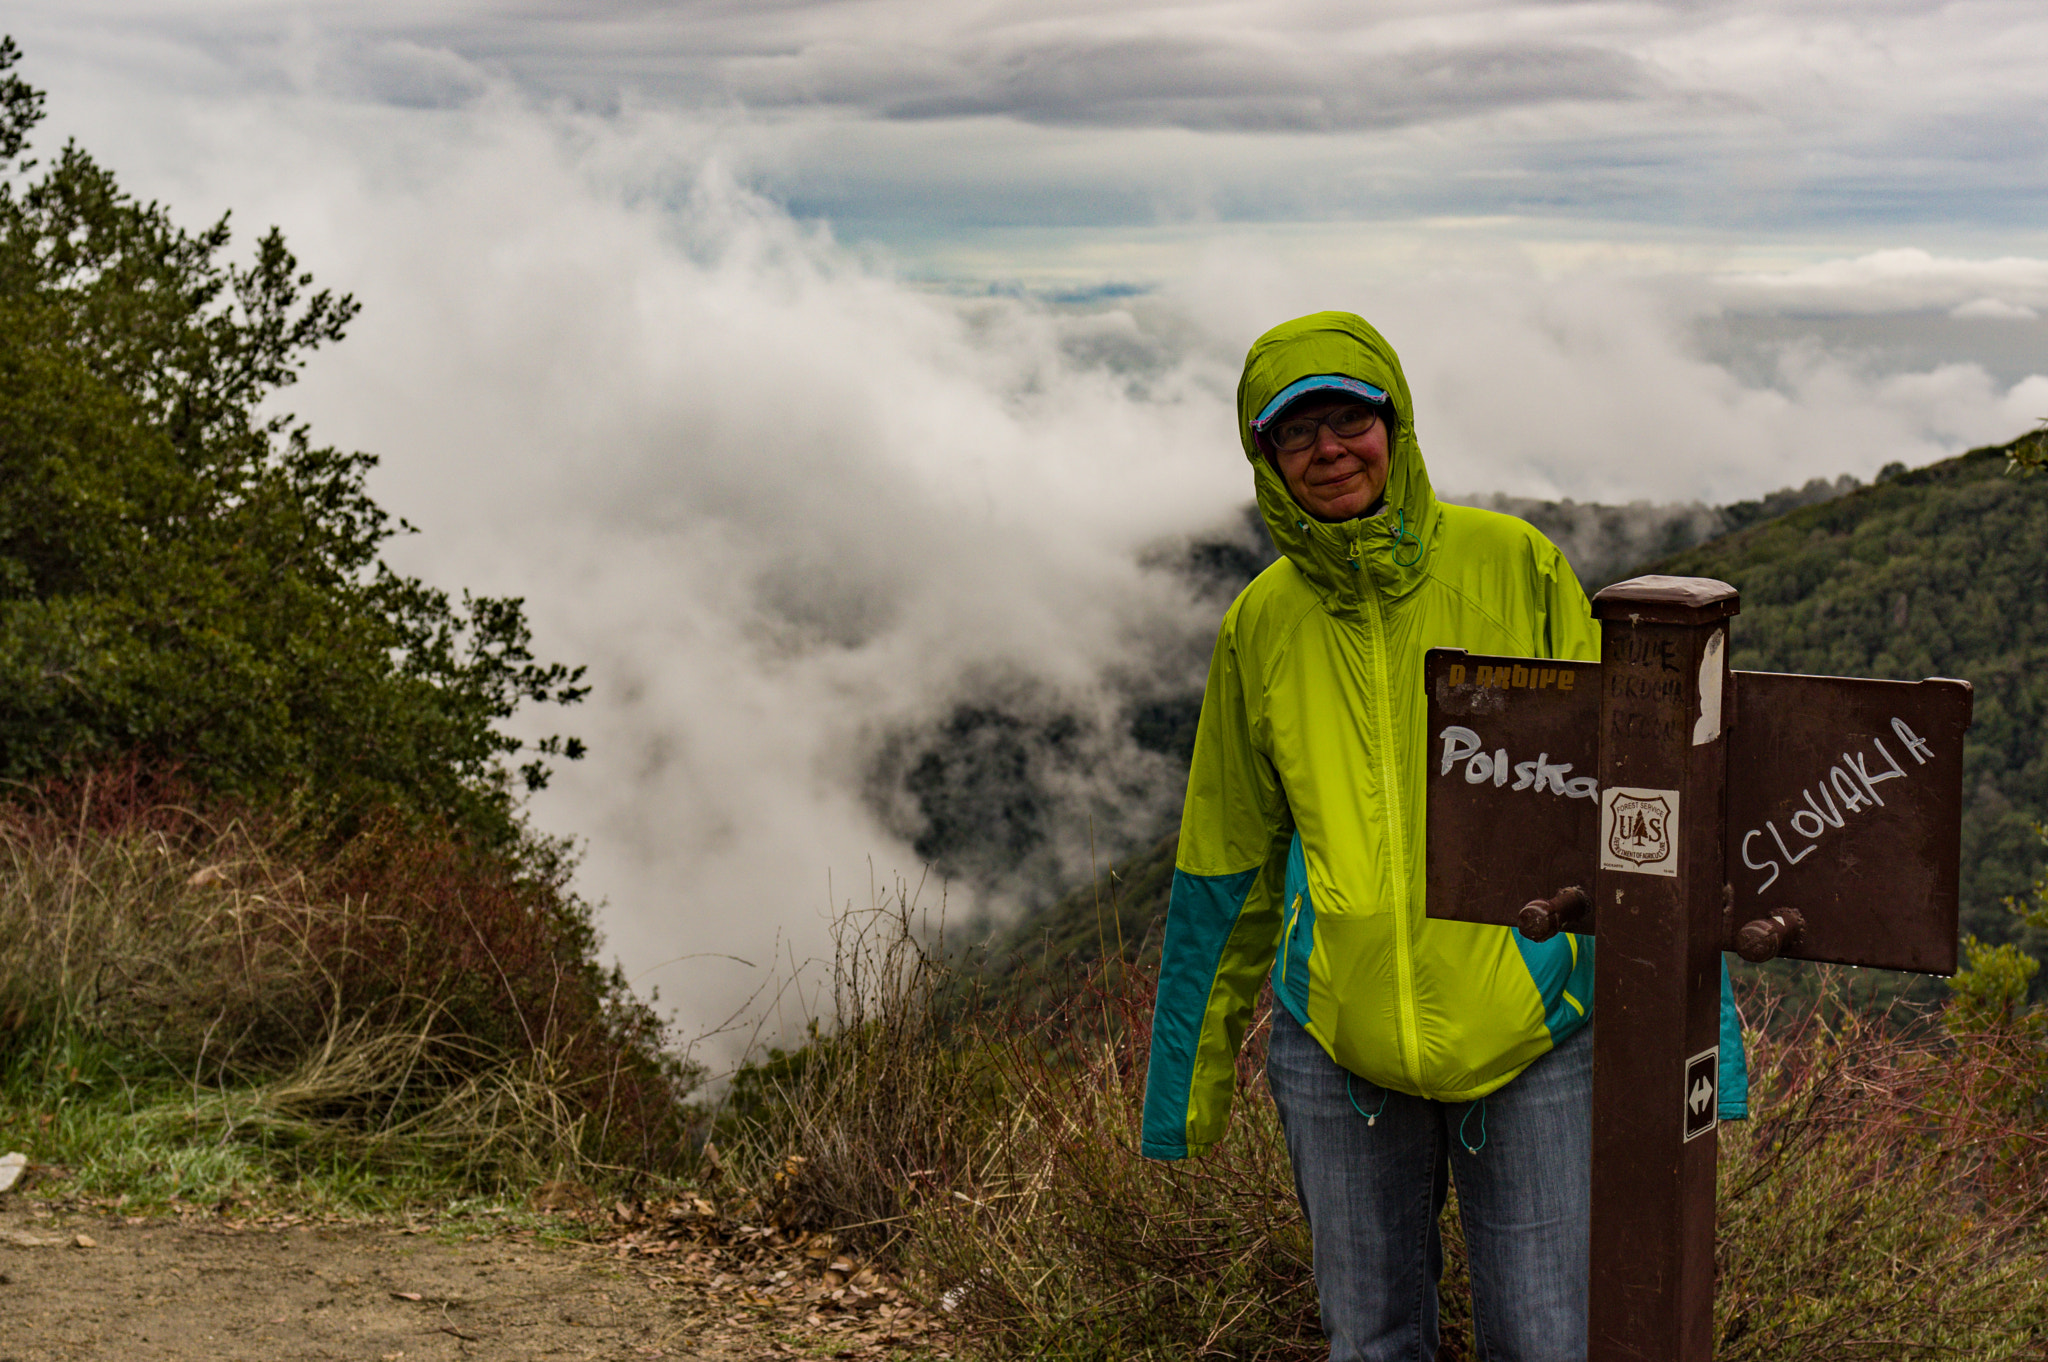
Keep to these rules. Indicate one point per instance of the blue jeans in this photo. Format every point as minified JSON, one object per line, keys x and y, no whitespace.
{"x":1372,"y":1169}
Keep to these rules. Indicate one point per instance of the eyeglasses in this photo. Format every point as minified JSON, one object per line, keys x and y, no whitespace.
{"x":1297,"y":433}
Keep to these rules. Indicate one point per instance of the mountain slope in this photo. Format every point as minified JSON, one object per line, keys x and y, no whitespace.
{"x":1939,"y":571}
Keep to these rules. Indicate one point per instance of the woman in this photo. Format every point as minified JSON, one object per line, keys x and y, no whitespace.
{"x":1405,"y":1050}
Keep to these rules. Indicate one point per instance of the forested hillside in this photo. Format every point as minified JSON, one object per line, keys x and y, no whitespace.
{"x":1938,"y":571}
{"x":1941,"y":571}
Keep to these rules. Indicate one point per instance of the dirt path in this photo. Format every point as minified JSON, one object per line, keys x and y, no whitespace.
{"x":93,"y":1286}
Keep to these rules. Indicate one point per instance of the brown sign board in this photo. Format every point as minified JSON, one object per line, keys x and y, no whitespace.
{"x":1844,"y":801}
{"x":1512,"y":743}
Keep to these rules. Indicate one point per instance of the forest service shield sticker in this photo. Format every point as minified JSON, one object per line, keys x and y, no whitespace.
{"x":1639,"y":831}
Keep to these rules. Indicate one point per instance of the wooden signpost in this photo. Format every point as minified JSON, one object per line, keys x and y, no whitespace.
{"x":1675,"y":809}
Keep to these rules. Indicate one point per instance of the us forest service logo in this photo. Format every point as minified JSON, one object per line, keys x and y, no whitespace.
{"x":1639,"y":831}
{"x":1702,"y":1095}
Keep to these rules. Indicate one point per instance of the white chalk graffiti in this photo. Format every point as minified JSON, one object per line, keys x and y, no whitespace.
{"x":1483,"y":767}
{"x":1846,"y":790}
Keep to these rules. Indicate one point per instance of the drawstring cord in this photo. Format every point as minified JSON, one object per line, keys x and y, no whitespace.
{"x":1402,"y":535}
{"x":1471,"y":1148}
{"x":1374,"y":1114}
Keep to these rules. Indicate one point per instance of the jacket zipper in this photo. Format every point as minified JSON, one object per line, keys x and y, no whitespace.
{"x":1397,"y":839}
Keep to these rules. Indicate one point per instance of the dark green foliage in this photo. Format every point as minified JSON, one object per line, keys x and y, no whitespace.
{"x":269,"y":765}
{"x":184,"y":576}
{"x":1167,"y":724}
{"x":1995,"y":978}
{"x":1740,"y":515}
{"x":1940,"y":571}
{"x":2029,"y":453}
{"x":973,"y":783}
{"x":21,"y":104}
{"x":1219,"y":564}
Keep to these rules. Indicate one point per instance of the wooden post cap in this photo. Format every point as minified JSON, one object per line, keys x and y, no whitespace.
{"x":1657,"y":599}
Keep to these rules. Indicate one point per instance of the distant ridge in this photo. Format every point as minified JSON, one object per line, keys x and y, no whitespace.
{"x":1605,"y":542}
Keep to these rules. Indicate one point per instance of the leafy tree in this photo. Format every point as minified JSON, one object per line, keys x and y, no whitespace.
{"x":185,"y":577}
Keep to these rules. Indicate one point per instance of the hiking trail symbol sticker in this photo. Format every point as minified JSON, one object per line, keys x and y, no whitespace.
{"x":1702,"y":1094}
{"x":1639,"y":831}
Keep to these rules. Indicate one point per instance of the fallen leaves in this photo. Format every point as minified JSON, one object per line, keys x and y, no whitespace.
{"x":806,"y":1284}
{"x":563,"y":1196}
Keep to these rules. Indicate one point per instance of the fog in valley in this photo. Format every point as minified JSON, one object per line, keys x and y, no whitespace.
{"x":883,"y":568}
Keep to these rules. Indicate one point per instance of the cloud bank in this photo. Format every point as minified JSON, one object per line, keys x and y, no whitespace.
{"x":810,"y":522}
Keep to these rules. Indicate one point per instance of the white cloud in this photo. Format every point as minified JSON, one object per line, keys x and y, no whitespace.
{"x":779,"y":501}
{"x":1589,"y":385}
{"x":1993,"y":309}
{"x":782,"y":500}
{"x":1899,"y":280}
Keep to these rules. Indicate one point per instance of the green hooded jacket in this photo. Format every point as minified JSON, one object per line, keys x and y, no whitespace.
{"x":1301,"y":845}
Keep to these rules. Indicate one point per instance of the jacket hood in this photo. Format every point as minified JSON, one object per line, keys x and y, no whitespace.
{"x":1389,"y":551}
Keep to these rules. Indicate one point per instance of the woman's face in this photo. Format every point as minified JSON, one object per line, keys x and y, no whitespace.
{"x":1334,"y":477}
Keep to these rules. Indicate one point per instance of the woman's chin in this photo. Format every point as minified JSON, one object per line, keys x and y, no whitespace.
{"x":1342,"y":508}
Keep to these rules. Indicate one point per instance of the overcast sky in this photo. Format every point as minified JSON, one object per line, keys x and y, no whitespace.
{"x":810,"y":367}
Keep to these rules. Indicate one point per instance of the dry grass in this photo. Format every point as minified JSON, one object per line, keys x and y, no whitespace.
{"x":1061,"y":1241}
{"x":844,"y":1131}
{"x":1886,"y":1202}
{"x":397,"y":1002}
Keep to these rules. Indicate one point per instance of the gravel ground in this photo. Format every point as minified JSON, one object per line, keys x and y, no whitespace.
{"x":81,"y":1285}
